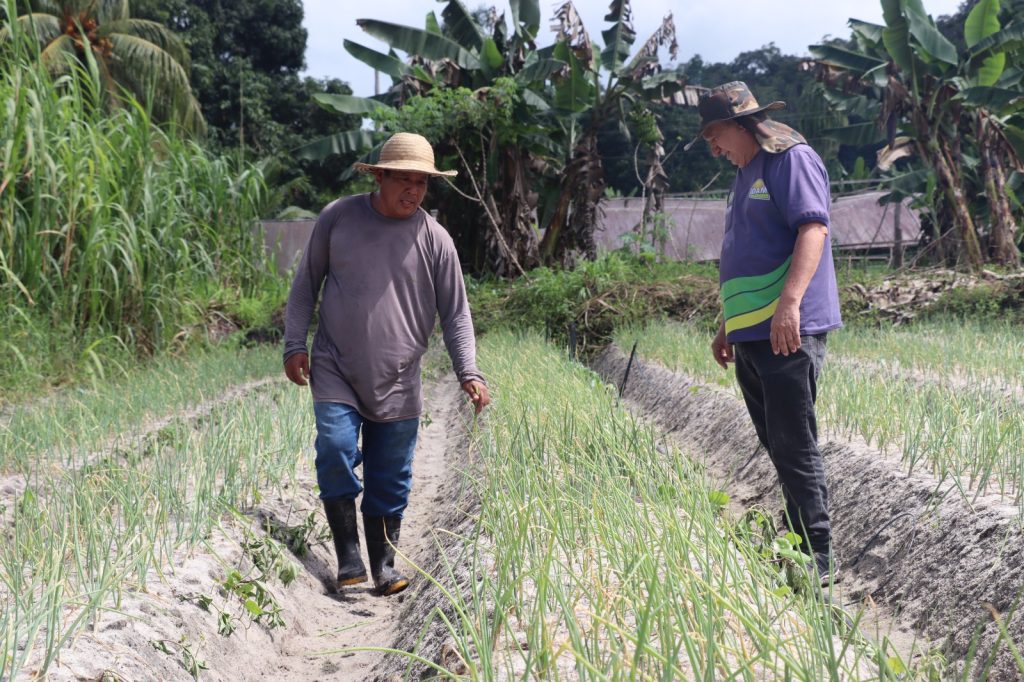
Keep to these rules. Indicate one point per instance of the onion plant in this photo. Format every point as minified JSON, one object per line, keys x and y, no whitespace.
{"x":602,"y":555}
{"x":75,"y":546}
{"x":70,"y":425}
{"x":947,"y":400}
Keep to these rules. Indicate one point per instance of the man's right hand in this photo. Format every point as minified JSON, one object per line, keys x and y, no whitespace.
{"x":296,"y":368}
{"x":722,"y":349}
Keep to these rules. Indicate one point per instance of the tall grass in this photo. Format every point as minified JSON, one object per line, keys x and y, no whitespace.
{"x":110,"y":227}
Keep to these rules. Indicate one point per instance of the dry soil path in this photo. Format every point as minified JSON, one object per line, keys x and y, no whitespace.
{"x":320,"y":621}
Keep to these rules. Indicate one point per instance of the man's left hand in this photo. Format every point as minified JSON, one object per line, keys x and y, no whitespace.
{"x":785,"y":334}
{"x":478,"y":393}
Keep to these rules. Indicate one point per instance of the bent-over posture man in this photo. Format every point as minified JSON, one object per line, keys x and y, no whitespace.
{"x":779,"y":295}
{"x":383,"y":270}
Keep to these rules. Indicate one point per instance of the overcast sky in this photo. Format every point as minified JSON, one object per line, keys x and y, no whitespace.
{"x":717,"y":30}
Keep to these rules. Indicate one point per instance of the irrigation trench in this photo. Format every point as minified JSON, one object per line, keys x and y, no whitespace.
{"x":947,"y":566}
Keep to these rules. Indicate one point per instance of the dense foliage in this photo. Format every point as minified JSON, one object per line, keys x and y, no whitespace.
{"x":114,"y":233}
{"x":247,"y":56}
{"x":952,"y":109}
{"x":121,"y":50}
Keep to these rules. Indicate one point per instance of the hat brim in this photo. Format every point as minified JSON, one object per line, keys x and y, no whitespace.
{"x":409,"y":166}
{"x":773,"y":106}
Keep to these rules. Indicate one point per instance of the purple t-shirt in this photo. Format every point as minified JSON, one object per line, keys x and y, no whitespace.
{"x":772,"y":197}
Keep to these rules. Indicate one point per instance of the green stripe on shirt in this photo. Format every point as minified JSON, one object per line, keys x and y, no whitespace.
{"x":748,"y":301}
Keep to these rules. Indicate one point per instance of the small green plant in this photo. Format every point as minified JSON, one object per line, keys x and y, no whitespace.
{"x":189,"y":660}
{"x":256,"y":597}
{"x":225,"y":621}
{"x":268,"y":557}
{"x":298,"y":538}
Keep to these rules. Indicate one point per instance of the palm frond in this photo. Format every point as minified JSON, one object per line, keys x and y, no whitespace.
{"x":154,"y":76}
{"x":50,"y":7}
{"x":57,"y":56}
{"x":151,"y":31}
{"x":45,"y":28}
{"x":110,"y":10}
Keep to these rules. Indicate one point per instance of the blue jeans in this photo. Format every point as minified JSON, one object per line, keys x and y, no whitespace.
{"x":386,"y":457}
{"x":780,"y":392}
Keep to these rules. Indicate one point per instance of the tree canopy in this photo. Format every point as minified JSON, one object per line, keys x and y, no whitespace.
{"x":129,"y":52}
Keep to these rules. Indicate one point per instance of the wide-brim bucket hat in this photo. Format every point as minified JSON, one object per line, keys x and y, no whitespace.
{"x":727,"y":102}
{"x":406,"y":152}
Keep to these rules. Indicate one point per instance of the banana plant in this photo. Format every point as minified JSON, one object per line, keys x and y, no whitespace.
{"x":958,"y":110}
{"x":466,"y":52}
{"x":583,"y":104}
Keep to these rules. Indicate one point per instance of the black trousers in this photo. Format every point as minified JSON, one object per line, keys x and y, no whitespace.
{"x":780,"y":392}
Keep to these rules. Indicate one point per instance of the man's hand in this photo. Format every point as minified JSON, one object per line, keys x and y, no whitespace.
{"x":785,"y":333}
{"x":722,"y":349}
{"x":296,"y":368}
{"x":478,"y":393}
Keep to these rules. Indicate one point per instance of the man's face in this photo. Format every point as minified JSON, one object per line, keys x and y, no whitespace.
{"x":400,"y":193}
{"x":726,"y":138}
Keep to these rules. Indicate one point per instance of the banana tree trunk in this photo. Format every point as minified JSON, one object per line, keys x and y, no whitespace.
{"x":953,"y":193}
{"x":516,"y":210}
{"x":1004,"y":250}
{"x":571,"y":230}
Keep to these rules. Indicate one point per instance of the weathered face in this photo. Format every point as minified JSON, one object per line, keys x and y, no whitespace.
{"x":729,"y":139}
{"x":400,"y":193}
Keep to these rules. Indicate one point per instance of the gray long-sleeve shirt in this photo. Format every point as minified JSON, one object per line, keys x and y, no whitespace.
{"x":384,"y":282}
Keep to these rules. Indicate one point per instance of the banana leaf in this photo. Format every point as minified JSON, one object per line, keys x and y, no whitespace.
{"x":928,"y":37}
{"x":415,"y":41}
{"x":461,"y":27}
{"x":619,"y":37}
{"x":843,"y":58}
{"x":340,"y":143}
{"x":526,"y":17}
{"x":386,"y":64}
{"x":896,"y":36}
{"x":349,"y":104}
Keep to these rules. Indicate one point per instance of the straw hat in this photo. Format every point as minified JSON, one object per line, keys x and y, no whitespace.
{"x":406,"y":152}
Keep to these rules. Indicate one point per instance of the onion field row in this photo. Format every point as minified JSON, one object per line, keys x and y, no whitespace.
{"x":947,"y":399}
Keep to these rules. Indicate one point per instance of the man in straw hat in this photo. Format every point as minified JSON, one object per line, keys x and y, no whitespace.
{"x":387,"y":270}
{"x":779,"y":295}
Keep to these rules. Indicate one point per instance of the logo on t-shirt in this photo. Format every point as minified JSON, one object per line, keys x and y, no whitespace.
{"x":759,"y":191}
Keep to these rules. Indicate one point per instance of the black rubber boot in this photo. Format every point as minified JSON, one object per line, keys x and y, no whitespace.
{"x":341,"y":517}
{"x":381,"y":539}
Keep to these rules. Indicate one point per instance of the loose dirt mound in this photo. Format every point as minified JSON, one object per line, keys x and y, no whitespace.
{"x":157,"y":633}
{"x":948,"y":567}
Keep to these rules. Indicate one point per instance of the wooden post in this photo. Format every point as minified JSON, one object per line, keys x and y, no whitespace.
{"x":896,"y":256}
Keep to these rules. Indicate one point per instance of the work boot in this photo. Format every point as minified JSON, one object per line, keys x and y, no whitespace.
{"x":381,"y":538}
{"x":826,"y":568}
{"x":341,"y":517}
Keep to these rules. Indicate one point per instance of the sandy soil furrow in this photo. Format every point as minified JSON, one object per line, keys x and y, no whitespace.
{"x":48,"y":468}
{"x":320,"y":621}
{"x":909,"y":542}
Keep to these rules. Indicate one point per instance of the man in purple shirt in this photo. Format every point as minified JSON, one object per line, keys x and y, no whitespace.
{"x":383,"y":271}
{"x":779,"y":295}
